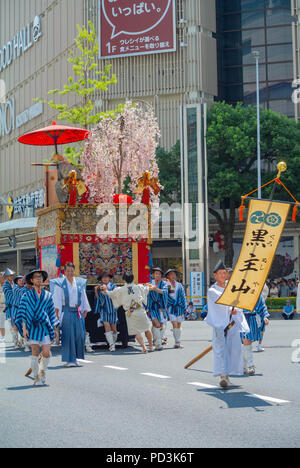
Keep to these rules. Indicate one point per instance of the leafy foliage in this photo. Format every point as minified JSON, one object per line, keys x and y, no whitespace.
{"x":232,"y":156}
{"x":86,"y":82}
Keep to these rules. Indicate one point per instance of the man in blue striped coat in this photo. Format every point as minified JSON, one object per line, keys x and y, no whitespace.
{"x":261,"y":313}
{"x":17,"y":295}
{"x":105,"y":308}
{"x":157,"y":306}
{"x":36,"y":321}
{"x":177,"y":305}
{"x":8,"y":294}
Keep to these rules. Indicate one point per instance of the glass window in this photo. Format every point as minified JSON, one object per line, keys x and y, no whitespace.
{"x":279,"y":16}
{"x":284,"y":107}
{"x":234,"y":93}
{"x":280,"y":71}
{"x":234,"y":75}
{"x":278,"y":35}
{"x":192,"y":154}
{"x":232,"y":22}
{"x":249,"y":73}
{"x":278,"y":3}
{"x":250,"y":92}
{"x":242,"y":56}
{"x":279,"y":53}
{"x":253,"y":19}
{"x":252,"y":4}
{"x":281,"y":90}
{"x":254,"y":37}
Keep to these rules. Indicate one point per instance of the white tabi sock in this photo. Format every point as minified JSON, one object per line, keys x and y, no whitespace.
{"x":35,"y":365}
{"x":177,"y":335}
{"x":157,"y":337}
{"x":115,"y":335}
{"x":110,"y":339}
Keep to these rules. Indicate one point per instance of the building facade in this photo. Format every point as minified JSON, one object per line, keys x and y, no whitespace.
{"x":212,"y":60}
{"x":266,"y":26}
{"x":35,"y":39}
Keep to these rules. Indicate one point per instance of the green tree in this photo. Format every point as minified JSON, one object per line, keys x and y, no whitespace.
{"x":87,"y":82}
{"x":232,"y":156}
{"x":169,"y":173}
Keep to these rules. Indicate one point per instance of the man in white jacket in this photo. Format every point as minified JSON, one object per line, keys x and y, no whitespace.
{"x":227,"y":324}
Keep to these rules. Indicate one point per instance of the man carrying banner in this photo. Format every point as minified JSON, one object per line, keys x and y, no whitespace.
{"x":228,"y":323}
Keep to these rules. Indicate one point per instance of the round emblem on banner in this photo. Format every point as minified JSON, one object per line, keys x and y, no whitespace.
{"x":273,"y":219}
{"x":257,"y":217}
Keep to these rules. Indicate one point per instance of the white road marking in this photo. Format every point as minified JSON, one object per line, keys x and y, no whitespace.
{"x":266,"y":398}
{"x":116,"y":368}
{"x":85,"y":362}
{"x":252,"y":395}
{"x":158,"y":376}
{"x":199,"y":384}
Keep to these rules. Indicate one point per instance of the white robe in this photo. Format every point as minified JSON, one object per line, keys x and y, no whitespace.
{"x":59,"y":298}
{"x":228,"y":355}
{"x":132,"y":295}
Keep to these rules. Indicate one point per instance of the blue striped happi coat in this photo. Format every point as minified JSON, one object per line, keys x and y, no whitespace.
{"x":8,"y":294}
{"x":38,"y":314}
{"x":105,"y":307}
{"x":17,"y":296}
{"x":157,"y":303}
{"x":178,"y":305}
{"x":256,"y":329}
{"x":73,"y":323}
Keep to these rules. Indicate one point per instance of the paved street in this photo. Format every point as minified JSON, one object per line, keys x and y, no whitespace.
{"x":128,"y":399}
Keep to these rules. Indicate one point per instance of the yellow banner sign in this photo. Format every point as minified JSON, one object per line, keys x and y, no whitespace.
{"x":266,"y":220}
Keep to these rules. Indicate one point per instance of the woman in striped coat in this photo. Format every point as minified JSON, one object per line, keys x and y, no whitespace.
{"x":261,"y":313}
{"x":108,"y":313}
{"x":37,"y":322}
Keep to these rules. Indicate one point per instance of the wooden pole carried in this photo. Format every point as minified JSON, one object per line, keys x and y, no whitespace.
{"x":204,"y":353}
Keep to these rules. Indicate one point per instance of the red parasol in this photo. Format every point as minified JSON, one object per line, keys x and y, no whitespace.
{"x":54,"y":135}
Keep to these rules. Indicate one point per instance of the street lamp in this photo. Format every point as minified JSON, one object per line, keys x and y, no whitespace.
{"x":256,"y":55}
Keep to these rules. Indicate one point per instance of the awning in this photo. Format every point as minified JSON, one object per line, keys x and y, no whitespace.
{"x":21,"y":223}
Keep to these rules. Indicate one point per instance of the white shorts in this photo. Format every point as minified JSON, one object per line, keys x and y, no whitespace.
{"x":45,"y":342}
{"x":2,"y":319}
{"x":174,"y":318}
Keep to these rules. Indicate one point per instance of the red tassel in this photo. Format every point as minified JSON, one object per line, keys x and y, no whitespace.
{"x":295,"y":209}
{"x":241,"y":211}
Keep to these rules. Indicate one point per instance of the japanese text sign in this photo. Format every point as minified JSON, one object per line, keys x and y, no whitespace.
{"x":265,"y":224}
{"x":134,"y":27}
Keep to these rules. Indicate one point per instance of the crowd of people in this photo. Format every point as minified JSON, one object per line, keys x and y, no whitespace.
{"x":282,"y":288}
{"x":38,"y":317}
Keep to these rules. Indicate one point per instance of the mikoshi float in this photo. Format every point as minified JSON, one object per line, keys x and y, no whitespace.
{"x":89,"y":221}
